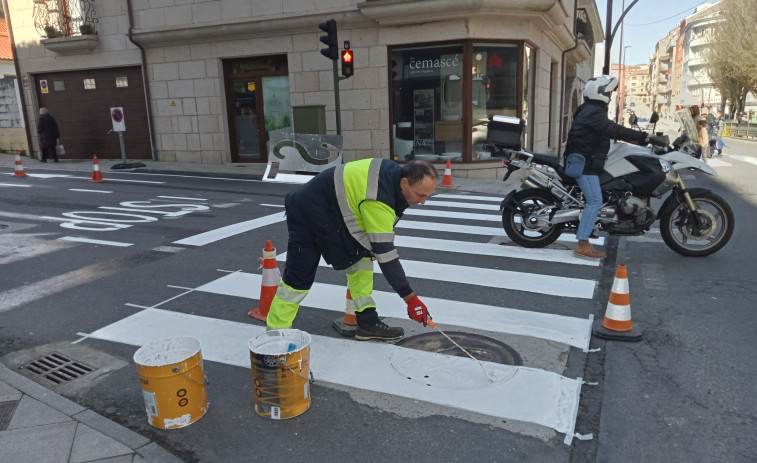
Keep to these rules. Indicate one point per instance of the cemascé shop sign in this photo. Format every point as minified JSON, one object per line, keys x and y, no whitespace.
{"x":434,"y":65}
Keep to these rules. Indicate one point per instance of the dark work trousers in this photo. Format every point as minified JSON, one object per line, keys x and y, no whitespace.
{"x":49,"y":152}
{"x":312,"y":236}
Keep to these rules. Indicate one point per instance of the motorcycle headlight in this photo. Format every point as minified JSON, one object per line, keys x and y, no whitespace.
{"x":665,"y":165}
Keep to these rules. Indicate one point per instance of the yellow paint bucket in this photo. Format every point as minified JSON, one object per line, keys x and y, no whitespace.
{"x":280,"y":362}
{"x":173,"y":382}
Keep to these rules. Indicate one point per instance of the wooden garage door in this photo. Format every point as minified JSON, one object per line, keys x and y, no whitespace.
{"x":80,"y":102}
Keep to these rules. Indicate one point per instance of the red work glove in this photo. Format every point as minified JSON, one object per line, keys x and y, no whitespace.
{"x":417,"y":310}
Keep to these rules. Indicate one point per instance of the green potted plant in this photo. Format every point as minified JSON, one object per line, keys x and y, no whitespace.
{"x":51,"y":32}
{"x":87,"y":29}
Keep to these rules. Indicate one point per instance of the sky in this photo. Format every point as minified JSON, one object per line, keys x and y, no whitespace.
{"x":645,"y":24}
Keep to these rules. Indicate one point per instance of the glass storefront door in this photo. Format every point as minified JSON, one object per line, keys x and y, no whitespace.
{"x":246,"y":121}
{"x":258,"y":102}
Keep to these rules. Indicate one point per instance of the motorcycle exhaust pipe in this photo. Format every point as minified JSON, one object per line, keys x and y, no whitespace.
{"x":533,"y":182}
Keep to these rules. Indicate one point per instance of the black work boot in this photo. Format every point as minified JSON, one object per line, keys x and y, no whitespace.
{"x":369,"y":326}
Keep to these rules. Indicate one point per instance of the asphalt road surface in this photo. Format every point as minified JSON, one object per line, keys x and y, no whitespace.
{"x":96,"y":270}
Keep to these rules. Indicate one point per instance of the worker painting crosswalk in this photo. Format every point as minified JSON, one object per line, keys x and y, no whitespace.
{"x":446,"y":227}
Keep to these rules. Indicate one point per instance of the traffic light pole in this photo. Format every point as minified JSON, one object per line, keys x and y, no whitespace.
{"x":337,"y":104}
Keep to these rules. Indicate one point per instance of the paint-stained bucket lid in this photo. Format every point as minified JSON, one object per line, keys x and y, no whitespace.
{"x":167,"y":351}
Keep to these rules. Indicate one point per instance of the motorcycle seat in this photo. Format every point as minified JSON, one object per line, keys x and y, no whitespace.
{"x":553,"y":161}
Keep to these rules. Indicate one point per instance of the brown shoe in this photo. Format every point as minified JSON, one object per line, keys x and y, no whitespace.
{"x":588,"y":252}
{"x":593,"y":236}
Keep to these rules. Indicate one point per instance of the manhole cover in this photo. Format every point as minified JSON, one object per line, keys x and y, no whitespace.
{"x":455,"y":370}
{"x":58,"y":368}
{"x":481,"y":347}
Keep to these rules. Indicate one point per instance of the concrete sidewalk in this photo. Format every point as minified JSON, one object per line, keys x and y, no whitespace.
{"x":40,"y":426}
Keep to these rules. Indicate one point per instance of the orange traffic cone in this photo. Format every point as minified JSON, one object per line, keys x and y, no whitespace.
{"x":447,"y":179}
{"x":97,"y":176}
{"x":271,"y":278}
{"x":19,"y":168}
{"x":347,"y":325}
{"x":617,"y":324}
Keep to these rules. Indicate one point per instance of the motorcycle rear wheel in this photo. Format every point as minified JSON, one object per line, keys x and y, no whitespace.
{"x":684,"y":235}
{"x":530,"y":200}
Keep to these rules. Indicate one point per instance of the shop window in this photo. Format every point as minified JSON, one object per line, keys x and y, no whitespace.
{"x":59,"y":86}
{"x":494,"y":90}
{"x":89,"y":84}
{"x":441,"y":93}
{"x":427,"y":102}
{"x":122,"y":82}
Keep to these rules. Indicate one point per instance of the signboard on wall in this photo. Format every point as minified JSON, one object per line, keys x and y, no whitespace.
{"x":25,"y":80}
{"x":43,"y":86}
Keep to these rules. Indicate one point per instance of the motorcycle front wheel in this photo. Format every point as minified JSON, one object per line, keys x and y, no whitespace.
{"x":698,"y":233}
{"x":513,"y":221}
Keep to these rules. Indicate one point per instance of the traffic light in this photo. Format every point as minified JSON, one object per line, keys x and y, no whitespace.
{"x":329,"y":27}
{"x":347,"y":64}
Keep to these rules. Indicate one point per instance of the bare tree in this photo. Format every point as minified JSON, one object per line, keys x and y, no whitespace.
{"x":733,"y":54}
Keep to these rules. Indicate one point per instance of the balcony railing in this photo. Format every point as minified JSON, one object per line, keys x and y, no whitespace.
{"x":584,"y":29}
{"x":64,"y":18}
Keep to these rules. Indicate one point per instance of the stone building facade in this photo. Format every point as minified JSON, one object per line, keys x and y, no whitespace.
{"x":220,"y":75}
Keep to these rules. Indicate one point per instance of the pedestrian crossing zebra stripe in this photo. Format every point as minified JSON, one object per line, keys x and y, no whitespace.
{"x":473,"y":230}
{"x":519,"y":393}
{"x":567,"y":330}
{"x":495,"y":199}
{"x":492,"y":278}
{"x":467,"y":205}
{"x":491,"y":249}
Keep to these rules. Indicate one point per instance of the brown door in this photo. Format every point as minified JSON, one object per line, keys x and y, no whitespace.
{"x":80,"y":102}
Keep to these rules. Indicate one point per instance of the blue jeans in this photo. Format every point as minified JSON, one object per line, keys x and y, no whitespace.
{"x":589,"y":185}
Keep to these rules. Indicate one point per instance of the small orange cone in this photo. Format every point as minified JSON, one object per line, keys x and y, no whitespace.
{"x":447,"y":179}
{"x":97,"y":176}
{"x":19,"y":168}
{"x":270,"y":283}
{"x":347,"y":325}
{"x":617,"y":324}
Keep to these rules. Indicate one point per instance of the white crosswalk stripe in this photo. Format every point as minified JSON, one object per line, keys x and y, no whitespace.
{"x":524,"y":393}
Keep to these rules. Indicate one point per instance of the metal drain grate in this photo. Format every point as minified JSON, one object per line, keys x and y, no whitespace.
{"x":58,"y":368}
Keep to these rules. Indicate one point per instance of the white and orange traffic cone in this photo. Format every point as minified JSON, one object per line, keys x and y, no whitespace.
{"x":447,"y":179}
{"x":97,"y":176}
{"x":19,"y":167}
{"x":617,"y":324}
{"x":269,"y":284}
{"x":346,"y":326}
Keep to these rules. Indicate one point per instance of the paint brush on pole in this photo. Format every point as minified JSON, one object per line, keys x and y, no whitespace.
{"x":431,"y":323}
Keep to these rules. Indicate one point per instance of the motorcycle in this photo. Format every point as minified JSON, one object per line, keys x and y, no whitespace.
{"x":693,"y":221}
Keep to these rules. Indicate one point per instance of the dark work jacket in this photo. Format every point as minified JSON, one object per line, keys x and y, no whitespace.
{"x":316,"y":206}
{"x":591,"y":133}
{"x":47,"y":129}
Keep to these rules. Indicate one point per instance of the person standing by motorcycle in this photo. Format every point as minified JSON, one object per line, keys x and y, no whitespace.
{"x":590,"y":137}
{"x":701,"y":124}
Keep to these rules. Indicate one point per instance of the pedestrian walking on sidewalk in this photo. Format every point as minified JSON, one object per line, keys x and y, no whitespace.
{"x":49,"y":135}
{"x":346,"y":215}
{"x":590,"y":137}
{"x":719,"y":128}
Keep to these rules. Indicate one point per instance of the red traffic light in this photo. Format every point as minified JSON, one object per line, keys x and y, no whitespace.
{"x":347,"y":64}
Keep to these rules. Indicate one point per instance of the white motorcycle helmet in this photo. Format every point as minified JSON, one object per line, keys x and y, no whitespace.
{"x":600,"y":88}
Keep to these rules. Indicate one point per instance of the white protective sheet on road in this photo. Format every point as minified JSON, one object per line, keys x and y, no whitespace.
{"x":519,"y":393}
